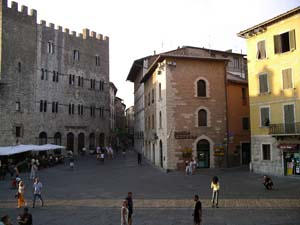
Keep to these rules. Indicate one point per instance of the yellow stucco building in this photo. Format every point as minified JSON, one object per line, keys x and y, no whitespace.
{"x":273,"y":49}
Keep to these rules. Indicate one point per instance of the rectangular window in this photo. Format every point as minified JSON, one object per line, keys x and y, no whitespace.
{"x":56,"y":107}
{"x":152,"y":121}
{"x":18,"y":131}
{"x":50,"y":47}
{"x":287,"y":78}
{"x":266,"y":151}
{"x":159,"y":90}
{"x":244,"y":96}
{"x":73,"y":109}
{"x":53,"y":107}
{"x":263,"y":83}
{"x":76,"y":56}
{"x":261,"y":50}
{"x":265,"y":116}
{"x":43,"y":74}
{"x":18,"y":106}
{"x":97,"y":58}
{"x":152,"y":95}
{"x":19,"y":67}
{"x":54,"y":76}
{"x":149,"y":98}
{"x":45,"y":106}
{"x":284,"y":42}
{"x":245,"y":123}
{"x":70,"y":109}
{"x":41,"y":105}
{"x":160,"y":120}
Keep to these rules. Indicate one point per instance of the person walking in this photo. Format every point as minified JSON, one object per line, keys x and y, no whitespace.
{"x":130,"y":207}
{"x":197,"y":211}
{"x":268,"y":183}
{"x":124,"y":213}
{"x":20,"y":195}
{"x":187,"y":167}
{"x":37,"y":191}
{"x":25,"y":218}
{"x":139,"y":155}
{"x":215,"y":186}
{"x":72,"y":162}
{"x":33,"y":171}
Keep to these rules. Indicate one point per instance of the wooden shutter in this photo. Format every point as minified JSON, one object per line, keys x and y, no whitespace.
{"x":263,"y":83}
{"x":261,"y":50}
{"x":287,"y":78}
{"x":264,"y":116}
{"x":277,"y":44}
{"x":292,"y":40}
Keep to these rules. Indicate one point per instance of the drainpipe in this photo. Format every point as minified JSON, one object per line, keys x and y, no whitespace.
{"x":227,"y":122}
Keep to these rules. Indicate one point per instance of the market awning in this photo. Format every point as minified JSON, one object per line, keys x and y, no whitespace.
{"x":11,"y":150}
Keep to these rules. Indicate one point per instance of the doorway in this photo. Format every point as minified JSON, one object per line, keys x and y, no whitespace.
{"x":81,"y":141}
{"x":203,"y":153}
{"x":246,"y":153}
{"x":70,"y":142}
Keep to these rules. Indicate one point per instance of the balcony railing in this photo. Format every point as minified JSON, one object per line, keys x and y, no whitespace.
{"x":285,"y":128}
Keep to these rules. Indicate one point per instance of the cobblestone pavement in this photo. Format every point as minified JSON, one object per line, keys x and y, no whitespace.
{"x":92,"y":194}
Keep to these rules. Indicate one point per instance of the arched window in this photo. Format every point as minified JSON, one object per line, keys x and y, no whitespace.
{"x":42,"y":138}
{"x":201,"y":88}
{"x":202,"y":118}
{"x":57,"y":138}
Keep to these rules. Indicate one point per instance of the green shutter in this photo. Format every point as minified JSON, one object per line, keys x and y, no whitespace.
{"x":292,"y":40}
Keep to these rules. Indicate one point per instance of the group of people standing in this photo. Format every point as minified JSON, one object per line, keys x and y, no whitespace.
{"x":190,"y":167}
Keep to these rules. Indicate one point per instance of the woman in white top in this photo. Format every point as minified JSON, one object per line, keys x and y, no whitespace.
{"x":124,"y":213}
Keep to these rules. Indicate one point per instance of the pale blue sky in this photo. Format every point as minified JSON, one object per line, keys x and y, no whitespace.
{"x":136,"y":27}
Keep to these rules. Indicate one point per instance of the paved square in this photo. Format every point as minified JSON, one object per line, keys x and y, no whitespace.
{"x":92,"y":195}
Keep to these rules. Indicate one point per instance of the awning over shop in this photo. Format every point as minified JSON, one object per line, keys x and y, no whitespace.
{"x":11,"y":150}
{"x":286,"y":146}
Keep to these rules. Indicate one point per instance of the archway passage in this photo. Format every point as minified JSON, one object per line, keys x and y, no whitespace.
{"x":43,"y":138}
{"x":203,"y":154}
{"x":161,"y":154}
{"x":81,"y":141}
{"x":101,"y":139}
{"x":70,"y":142}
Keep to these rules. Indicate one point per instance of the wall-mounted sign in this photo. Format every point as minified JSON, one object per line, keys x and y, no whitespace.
{"x":184,"y":135}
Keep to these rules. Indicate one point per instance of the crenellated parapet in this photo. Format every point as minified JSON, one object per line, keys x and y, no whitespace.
{"x":15,"y":8}
{"x":85,"y":35}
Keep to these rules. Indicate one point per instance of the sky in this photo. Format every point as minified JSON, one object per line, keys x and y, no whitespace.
{"x":137,"y":28}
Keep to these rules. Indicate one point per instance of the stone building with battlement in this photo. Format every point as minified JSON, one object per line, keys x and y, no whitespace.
{"x":54,"y":85}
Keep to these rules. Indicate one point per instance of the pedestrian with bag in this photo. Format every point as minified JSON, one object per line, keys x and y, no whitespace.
{"x":215,"y":186}
{"x":37,"y":191}
{"x":124,"y":213}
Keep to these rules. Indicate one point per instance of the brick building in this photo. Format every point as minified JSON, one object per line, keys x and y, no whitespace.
{"x":54,"y":86}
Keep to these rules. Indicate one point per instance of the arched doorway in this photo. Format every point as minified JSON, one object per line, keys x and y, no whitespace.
{"x":81,"y":141}
{"x":57,"y":138}
{"x":70,"y":142}
{"x":161,"y":154}
{"x":92,"y":141}
{"x":203,"y":153}
{"x":43,"y":138}
{"x":101,"y":139}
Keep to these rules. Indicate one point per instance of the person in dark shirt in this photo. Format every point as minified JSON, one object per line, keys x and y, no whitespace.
{"x":130,"y":207}
{"x":268,"y":183}
{"x":197,"y":211}
{"x":25,"y":218}
{"x":139,"y":158}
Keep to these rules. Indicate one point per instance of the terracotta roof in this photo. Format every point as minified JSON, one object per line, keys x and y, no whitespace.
{"x":161,"y":57}
{"x":269,"y":22}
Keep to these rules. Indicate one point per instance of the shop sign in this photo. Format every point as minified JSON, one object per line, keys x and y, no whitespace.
{"x":287,"y":146}
{"x":184,"y":135}
{"x":219,"y":150}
